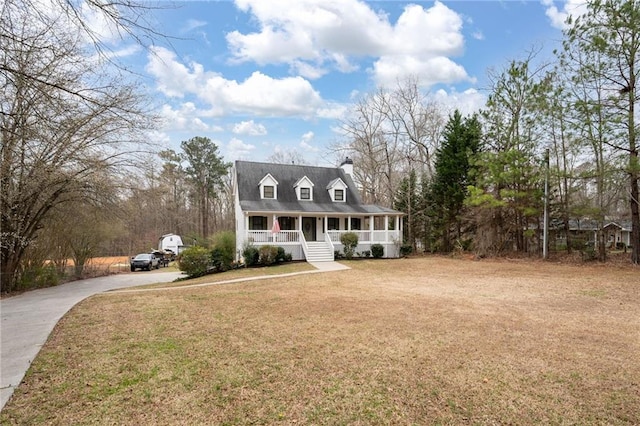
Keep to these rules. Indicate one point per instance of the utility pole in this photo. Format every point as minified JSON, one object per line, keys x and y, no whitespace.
{"x":545,"y":232}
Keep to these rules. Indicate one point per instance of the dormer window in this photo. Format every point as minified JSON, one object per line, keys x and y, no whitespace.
{"x":304,"y":189}
{"x":337,"y":191}
{"x":268,"y":188}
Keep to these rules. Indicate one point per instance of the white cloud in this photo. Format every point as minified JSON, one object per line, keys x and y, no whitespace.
{"x":259,"y":94}
{"x":237,"y":149}
{"x":306,"y":70}
{"x":314,"y":36}
{"x":558,"y":17}
{"x":478,"y":35}
{"x":197,"y":124}
{"x":262,"y":95}
{"x":174,"y":79}
{"x":333,"y":111}
{"x":249,"y":128}
{"x":160,"y":138}
{"x":192,"y":24}
{"x":121,"y":52}
{"x":390,"y":69}
{"x":185,"y":118}
{"x":468,"y":102}
{"x":305,"y":143}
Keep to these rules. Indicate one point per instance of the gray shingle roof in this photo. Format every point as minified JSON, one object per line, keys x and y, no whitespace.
{"x":250,"y":173}
{"x":592,"y":225}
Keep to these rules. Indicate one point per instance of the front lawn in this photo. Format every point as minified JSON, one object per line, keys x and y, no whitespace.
{"x":408,"y":341}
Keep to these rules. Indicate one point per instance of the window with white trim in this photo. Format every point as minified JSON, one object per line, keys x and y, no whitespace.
{"x":304,"y":189}
{"x":268,"y":188}
{"x":337,"y":191}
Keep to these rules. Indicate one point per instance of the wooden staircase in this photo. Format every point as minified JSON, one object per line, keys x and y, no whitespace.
{"x":319,"y":251}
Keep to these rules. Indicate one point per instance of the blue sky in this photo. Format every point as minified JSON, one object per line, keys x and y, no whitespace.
{"x":258,"y":76}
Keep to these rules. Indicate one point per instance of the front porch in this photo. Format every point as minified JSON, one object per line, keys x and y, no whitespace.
{"x":304,"y":236}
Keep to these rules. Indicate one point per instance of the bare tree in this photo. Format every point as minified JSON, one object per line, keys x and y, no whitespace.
{"x":292,"y":156}
{"x":373,"y":144}
{"x":389,"y":133}
{"x":420,"y":122}
{"x":64,"y":126}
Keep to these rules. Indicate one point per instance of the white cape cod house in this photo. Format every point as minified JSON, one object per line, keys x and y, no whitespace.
{"x":305,"y":210}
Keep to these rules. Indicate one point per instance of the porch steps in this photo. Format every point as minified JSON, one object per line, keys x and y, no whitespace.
{"x":319,"y":252}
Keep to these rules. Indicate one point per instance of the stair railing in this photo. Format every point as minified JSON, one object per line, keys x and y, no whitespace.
{"x":327,"y":239}
{"x":303,"y":241}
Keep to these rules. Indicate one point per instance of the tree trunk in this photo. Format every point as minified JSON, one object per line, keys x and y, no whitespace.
{"x":10,"y":263}
{"x":203,"y":213}
{"x":633,"y":171}
{"x":635,"y":211}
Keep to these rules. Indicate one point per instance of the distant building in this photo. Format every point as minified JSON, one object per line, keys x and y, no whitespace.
{"x":171,"y":242}
{"x":614,"y":232}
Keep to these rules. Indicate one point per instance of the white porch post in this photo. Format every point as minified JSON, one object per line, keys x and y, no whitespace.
{"x":371,"y":228}
{"x":326,"y":224}
{"x":348,"y":223}
{"x":246,"y":223}
{"x":386,"y":228}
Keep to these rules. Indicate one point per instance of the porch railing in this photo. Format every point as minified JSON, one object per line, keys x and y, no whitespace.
{"x":366,"y":236}
{"x":267,"y":237}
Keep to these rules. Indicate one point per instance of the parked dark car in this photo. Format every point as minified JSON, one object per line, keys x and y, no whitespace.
{"x":146,"y":261}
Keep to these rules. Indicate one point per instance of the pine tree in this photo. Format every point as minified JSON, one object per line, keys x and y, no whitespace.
{"x":452,"y":176}
{"x":205,"y":170}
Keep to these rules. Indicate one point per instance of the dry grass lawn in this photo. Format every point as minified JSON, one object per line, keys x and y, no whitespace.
{"x":410,"y":341}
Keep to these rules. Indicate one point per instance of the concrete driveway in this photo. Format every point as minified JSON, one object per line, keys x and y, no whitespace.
{"x":28,"y":319}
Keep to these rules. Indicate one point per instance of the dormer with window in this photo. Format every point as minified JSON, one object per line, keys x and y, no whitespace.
{"x":268,"y":188}
{"x":304,"y":189}
{"x":337,"y":191}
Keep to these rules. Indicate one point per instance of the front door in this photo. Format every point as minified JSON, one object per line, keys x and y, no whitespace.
{"x":309,"y":228}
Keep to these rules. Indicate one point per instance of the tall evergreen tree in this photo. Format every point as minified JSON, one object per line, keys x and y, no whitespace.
{"x":452,"y":176}
{"x":205,"y":169}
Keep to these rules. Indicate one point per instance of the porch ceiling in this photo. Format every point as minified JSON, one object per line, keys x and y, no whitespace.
{"x":294,"y":208}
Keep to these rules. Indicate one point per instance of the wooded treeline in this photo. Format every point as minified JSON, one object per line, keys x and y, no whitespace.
{"x":477,"y":182}
{"x":79,"y":177}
